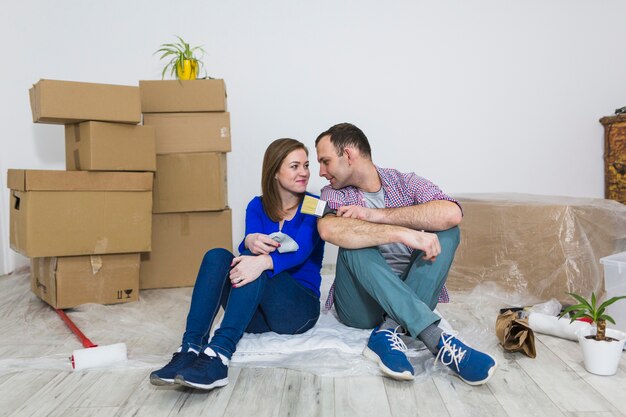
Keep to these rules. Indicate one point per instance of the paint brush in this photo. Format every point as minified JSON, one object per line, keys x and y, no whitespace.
{"x":316,"y":207}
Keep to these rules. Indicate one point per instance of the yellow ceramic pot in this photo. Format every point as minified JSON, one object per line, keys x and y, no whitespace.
{"x":188,"y":71}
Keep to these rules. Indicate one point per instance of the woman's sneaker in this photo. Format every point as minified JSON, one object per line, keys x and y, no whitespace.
{"x":166,"y":375}
{"x":208,"y":371}
{"x":386,"y":348}
{"x":471,"y":365}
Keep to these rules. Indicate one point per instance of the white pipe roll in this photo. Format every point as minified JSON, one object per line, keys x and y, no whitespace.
{"x":552,"y":325}
{"x":98,"y":356}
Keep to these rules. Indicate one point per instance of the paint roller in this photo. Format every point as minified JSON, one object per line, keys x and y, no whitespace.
{"x":93,"y":355}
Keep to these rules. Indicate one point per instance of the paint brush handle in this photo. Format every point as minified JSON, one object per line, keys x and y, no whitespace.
{"x":83,"y":339}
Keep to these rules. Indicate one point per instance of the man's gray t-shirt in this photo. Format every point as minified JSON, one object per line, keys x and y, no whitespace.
{"x":396,"y":255}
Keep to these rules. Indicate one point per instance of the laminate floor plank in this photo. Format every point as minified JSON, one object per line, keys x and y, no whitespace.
{"x":258,"y":392}
{"x":150,"y":401}
{"x":57,"y":395}
{"x":207,"y":403}
{"x":19,"y":387}
{"x":307,"y":395}
{"x":561,"y":383}
{"x":518,"y":394}
{"x":611,"y":388}
{"x":361,"y":396}
{"x":91,"y":412}
{"x":112,"y":388}
{"x":462,"y":399}
{"x":419,"y":398}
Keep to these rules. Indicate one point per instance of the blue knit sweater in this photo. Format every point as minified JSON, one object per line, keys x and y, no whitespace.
{"x":303,"y":265}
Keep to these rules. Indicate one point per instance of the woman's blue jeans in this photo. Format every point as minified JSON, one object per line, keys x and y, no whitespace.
{"x":279,"y":304}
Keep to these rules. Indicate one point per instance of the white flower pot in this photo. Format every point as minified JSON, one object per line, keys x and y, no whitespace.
{"x":601,"y":357}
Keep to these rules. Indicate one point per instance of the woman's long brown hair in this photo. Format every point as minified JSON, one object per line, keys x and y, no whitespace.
{"x":274,"y":156}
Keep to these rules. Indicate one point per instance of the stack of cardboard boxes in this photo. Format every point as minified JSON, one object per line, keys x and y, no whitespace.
{"x":84,"y":228}
{"x":190,"y":206}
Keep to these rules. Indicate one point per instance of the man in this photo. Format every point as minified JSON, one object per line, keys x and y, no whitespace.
{"x":397,"y":234}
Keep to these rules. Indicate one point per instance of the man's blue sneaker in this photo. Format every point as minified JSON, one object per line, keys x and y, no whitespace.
{"x":207,"y":372}
{"x":471,"y":365}
{"x":386,"y":348}
{"x":166,"y":375}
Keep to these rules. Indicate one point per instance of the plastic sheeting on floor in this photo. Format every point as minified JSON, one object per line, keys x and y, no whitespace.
{"x":34,"y":337}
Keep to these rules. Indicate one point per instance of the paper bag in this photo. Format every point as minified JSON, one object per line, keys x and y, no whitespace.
{"x":514,"y":334}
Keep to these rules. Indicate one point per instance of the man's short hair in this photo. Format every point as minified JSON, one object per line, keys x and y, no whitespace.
{"x":343,"y":135}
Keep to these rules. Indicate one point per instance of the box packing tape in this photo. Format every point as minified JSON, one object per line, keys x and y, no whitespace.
{"x":96,"y":264}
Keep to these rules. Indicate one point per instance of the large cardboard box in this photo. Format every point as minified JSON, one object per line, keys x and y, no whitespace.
{"x":190,"y":132}
{"x":53,"y":101}
{"x":67,"y":282}
{"x":537,"y":247}
{"x":171,"y":96}
{"x":67,"y":213}
{"x":99,"y":146}
{"x":179,"y":242}
{"x":190,"y":182}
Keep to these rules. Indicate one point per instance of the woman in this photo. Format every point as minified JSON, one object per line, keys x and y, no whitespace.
{"x":271,"y":286}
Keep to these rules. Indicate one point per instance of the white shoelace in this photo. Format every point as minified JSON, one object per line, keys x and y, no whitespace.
{"x":394,"y":337}
{"x":456,"y":353}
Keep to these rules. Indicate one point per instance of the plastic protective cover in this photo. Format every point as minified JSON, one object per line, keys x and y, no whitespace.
{"x":538,"y":246}
{"x":34,"y":337}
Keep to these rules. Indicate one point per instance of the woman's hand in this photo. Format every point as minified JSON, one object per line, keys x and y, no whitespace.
{"x":245,"y":269}
{"x":260,"y":244}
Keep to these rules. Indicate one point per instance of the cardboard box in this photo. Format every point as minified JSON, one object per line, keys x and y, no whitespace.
{"x":53,"y":101}
{"x":99,"y":146}
{"x":67,"y":213}
{"x":171,"y":96}
{"x":538,"y":247}
{"x":615,"y":285}
{"x":190,"y":132}
{"x":179,"y":242}
{"x":71,"y":281}
{"x":190,"y":182}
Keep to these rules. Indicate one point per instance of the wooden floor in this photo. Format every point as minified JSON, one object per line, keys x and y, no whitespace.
{"x":553,"y":384}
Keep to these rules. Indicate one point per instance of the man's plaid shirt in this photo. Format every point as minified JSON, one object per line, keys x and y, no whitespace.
{"x":400,"y":190}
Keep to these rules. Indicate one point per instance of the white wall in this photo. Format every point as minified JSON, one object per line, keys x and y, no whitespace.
{"x":478,"y":96}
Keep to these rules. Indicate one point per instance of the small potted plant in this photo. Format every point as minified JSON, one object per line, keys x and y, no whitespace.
{"x":182,"y":60}
{"x":602,"y":347}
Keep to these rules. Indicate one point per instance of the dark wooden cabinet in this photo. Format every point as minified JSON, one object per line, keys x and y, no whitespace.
{"x":615,"y":157}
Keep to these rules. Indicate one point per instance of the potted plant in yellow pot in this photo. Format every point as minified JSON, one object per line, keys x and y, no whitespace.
{"x":602,"y":347}
{"x":182,"y":60}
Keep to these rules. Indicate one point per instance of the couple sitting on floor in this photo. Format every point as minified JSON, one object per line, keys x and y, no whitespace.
{"x":396,"y":233}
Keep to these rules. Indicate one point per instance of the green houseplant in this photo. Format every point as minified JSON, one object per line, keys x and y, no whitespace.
{"x":181,"y":59}
{"x":601,"y":350}
{"x":592,"y":311}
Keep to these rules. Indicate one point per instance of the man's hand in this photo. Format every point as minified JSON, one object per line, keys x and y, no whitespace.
{"x":427,"y":242}
{"x":260,"y":244}
{"x":356,"y":212}
{"x":245,"y":269}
